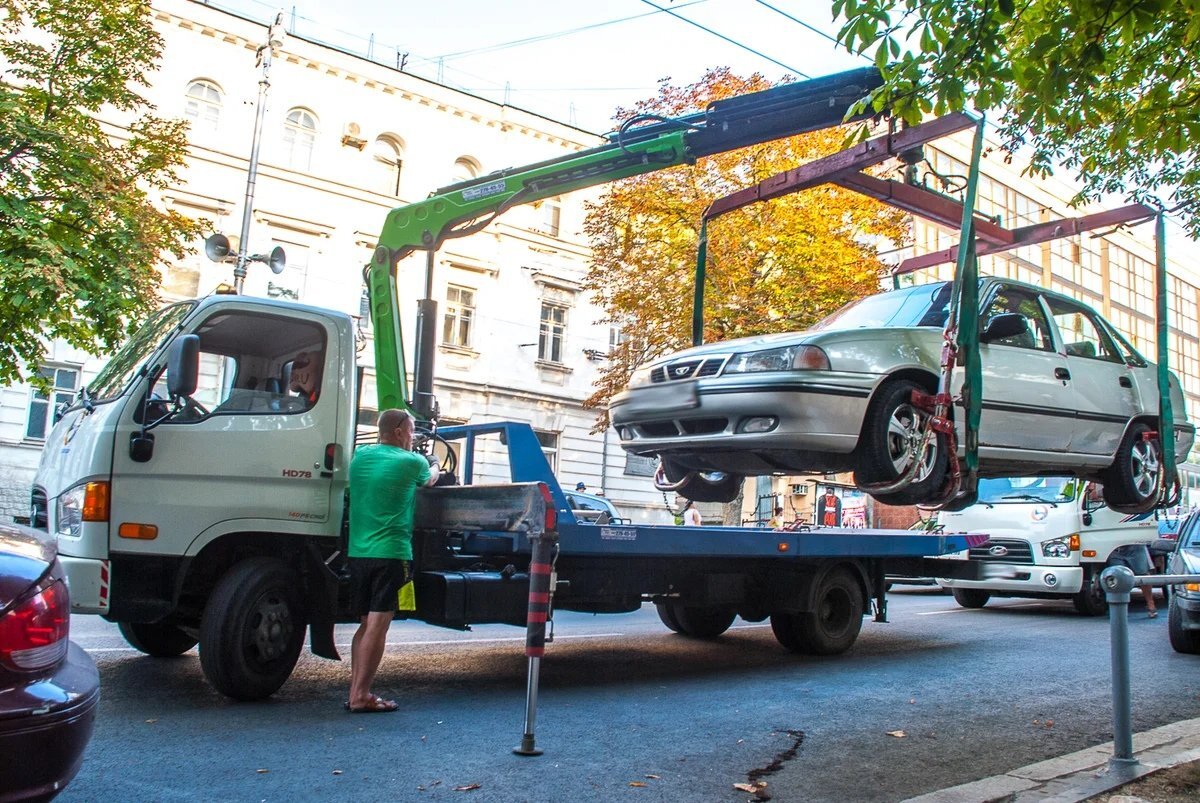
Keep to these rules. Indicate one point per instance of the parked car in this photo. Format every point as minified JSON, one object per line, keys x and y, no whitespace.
{"x":1183,"y":619}
{"x":593,"y":509}
{"x":49,"y":687}
{"x":1063,"y":393}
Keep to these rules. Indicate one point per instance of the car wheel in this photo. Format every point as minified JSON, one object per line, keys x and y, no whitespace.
{"x":702,"y":486}
{"x":701,"y":622}
{"x":1132,"y":479}
{"x":883,"y":452}
{"x":157,"y":640}
{"x":832,"y":626}
{"x":1186,"y":641}
{"x":1091,"y":599}
{"x":971,"y":597}
{"x":252,"y":629}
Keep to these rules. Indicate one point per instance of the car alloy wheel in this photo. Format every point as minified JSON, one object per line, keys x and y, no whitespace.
{"x":906,"y":431}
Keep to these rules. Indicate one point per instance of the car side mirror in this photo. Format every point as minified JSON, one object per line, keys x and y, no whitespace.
{"x":183,"y":366}
{"x":1006,"y":324}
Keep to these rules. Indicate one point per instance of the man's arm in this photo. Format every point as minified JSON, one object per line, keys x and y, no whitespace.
{"x":435,"y":470}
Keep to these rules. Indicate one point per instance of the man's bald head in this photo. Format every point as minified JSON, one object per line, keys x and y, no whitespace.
{"x":396,"y":428}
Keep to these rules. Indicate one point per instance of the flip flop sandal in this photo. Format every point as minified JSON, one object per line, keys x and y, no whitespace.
{"x":378,"y":705}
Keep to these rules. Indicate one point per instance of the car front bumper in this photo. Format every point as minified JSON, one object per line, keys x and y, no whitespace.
{"x":1189,"y":608}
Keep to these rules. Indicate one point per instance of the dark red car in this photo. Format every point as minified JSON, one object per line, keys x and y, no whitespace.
{"x":49,"y":687}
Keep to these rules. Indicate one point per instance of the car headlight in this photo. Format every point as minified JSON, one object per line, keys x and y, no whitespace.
{"x":640,"y":377}
{"x":69,"y":512}
{"x":1056,"y":548}
{"x":786,"y":358}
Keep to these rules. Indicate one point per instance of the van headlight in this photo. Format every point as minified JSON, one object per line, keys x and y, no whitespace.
{"x":786,"y":358}
{"x":1056,"y":548}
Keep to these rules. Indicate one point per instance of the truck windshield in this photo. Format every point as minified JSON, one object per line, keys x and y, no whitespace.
{"x":923,"y":305}
{"x":1027,"y":489}
{"x":113,"y":378}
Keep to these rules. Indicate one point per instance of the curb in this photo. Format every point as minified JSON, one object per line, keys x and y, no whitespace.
{"x":1082,"y":775}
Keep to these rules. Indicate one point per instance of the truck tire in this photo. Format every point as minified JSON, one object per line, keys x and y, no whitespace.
{"x":1091,"y":599}
{"x":252,"y":629}
{"x":971,"y":597}
{"x":155,"y":639}
{"x":1185,"y":641}
{"x":880,"y":456}
{"x":704,"y":622}
{"x":832,"y":626}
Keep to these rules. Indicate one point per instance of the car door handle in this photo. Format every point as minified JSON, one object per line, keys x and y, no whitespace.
{"x":1062,"y":373}
{"x":1125,"y":382}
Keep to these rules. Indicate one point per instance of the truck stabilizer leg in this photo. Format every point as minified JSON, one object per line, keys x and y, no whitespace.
{"x":540,"y":569}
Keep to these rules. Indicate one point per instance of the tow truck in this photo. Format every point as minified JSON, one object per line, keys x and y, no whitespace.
{"x":197,"y":487}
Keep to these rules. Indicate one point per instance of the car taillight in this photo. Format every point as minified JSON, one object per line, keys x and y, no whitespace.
{"x":34,"y":634}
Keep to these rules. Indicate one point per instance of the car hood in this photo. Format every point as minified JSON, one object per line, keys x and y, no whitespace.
{"x":755,"y":343}
{"x":25,"y":555}
{"x":1190,"y":558}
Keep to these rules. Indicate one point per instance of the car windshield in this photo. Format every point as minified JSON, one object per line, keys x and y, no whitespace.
{"x":1027,"y":489}
{"x":922,"y":305}
{"x":113,"y":378}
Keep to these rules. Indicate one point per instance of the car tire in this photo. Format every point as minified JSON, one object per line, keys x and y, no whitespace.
{"x":1091,"y":600}
{"x":971,"y":597}
{"x":1132,"y":479}
{"x":1185,"y":641}
{"x":157,"y":639}
{"x":879,"y":457}
{"x":252,"y":629}
{"x":832,"y":626}
{"x":698,"y":488}
{"x":695,"y":622}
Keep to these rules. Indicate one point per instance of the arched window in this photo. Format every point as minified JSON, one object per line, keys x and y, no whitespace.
{"x":299,"y":134}
{"x":388,"y":159}
{"x":465,"y":169}
{"x":203,"y":105}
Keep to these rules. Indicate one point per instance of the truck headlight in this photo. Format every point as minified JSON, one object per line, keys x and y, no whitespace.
{"x":1056,"y":548}
{"x":85,"y":502}
{"x":786,"y":358}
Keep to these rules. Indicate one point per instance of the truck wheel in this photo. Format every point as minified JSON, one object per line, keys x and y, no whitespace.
{"x":832,"y":626}
{"x":882,"y":453}
{"x":704,"y":622}
{"x":1186,"y":641}
{"x":252,"y":629}
{"x":703,"y":486}
{"x":158,"y":640}
{"x":971,"y":597}
{"x":1133,"y":477}
{"x":1091,"y":599}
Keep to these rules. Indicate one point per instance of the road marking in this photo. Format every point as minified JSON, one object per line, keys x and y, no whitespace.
{"x":748,"y":627}
{"x":969,"y":610}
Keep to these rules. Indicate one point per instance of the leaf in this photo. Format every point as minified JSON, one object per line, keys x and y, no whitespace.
{"x":262,"y":772}
{"x":897,"y":734}
{"x":745,"y":787}
{"x":467,"y":787}
{"x":638,"y":783}
{"x":651,"y":777}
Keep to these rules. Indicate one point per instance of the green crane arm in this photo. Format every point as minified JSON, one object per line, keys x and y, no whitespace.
{"x":464,"y":208}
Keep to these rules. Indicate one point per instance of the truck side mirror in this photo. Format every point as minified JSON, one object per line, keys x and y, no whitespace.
{"x":1006,"y":324}
{"x":1087,"y":519}
{"x":141,"y":446}
{"x":183,"y":366}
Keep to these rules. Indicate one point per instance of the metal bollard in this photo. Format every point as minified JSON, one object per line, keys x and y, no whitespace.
{"x":1117,"y":582}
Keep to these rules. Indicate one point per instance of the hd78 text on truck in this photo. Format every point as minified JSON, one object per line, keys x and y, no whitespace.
{"x":197,"y":486}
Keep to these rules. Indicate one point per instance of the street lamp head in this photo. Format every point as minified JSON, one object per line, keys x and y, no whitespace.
{"x":276,"y":33}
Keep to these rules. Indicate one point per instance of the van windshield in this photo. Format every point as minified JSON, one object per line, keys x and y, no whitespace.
{"x":1006,"y":490}
{"x":113,"y":378}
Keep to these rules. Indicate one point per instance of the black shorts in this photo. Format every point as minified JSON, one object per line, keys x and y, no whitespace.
{"x":376,"y":584}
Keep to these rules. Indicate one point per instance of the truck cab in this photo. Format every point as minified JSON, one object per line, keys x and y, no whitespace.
{"x":1049,"y":538}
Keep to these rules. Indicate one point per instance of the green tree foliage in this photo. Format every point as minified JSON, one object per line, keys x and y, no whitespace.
{"x":80,"y":240}
{"x":1110,"y":89}
{"x":772,"y":267}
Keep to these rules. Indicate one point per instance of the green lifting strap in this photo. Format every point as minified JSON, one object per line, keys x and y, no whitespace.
{"x":1166,"y":419}
{"x":698,"y":291}
{"x":966,"y":287}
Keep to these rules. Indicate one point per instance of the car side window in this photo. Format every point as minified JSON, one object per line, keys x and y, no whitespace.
{"x":1023,"y":302}
{"x":1082,"y":336}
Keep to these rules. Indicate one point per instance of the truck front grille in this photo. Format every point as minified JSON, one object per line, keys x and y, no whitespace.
{"x":1003,"y":550}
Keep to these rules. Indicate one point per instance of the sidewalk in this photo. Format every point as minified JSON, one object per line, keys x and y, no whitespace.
{"x":1081,"y":775}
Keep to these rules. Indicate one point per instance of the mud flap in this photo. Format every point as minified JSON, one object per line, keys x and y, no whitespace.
{"x":321,"y":598}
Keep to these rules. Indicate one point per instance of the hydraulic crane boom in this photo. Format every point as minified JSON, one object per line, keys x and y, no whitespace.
{"x":464,"y":208}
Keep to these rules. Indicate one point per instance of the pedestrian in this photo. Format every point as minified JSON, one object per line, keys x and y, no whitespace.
{"x":776,"y":522}
{"x":384,"y":478}
{"x":1136,"y":557}
{"x":691,"y":516}
{"x":581,"y":487}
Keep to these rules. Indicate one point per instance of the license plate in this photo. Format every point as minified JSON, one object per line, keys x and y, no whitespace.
{"x":669,"y":397}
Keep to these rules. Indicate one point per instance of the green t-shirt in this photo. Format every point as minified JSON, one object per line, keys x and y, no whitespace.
{"x":383,"y":481}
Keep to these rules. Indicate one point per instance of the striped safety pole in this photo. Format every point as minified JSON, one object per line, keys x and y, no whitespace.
{"x":541,"y":566}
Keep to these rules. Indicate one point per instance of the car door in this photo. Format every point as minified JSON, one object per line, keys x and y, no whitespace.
{"x":1107,"y":391}
{"x":1028,"y":402}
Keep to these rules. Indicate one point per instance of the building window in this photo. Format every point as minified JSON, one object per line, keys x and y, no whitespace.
{"x":460,"y":312}
{"x":551,"y":216}
{"x":552,"y":333}
{"x":292,"y":281}
{"x":299,"y":135}
{"x":465,"y":169}
{"x":549,"y":442}
{"x":388,"y":160}
{"x":203,"y":106}
{"x":65,"y":382}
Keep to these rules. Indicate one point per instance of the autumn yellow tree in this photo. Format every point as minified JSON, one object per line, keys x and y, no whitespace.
{"x":772,"y":267}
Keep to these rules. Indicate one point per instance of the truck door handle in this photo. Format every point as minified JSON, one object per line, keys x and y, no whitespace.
{"x":1125,"y":382}
{"x":1062,"y":373}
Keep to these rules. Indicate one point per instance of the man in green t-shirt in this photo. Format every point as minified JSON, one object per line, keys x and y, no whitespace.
{"x":384,"y":478}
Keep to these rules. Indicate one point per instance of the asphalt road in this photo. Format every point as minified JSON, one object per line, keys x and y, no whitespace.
{"x":937,"y":697}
